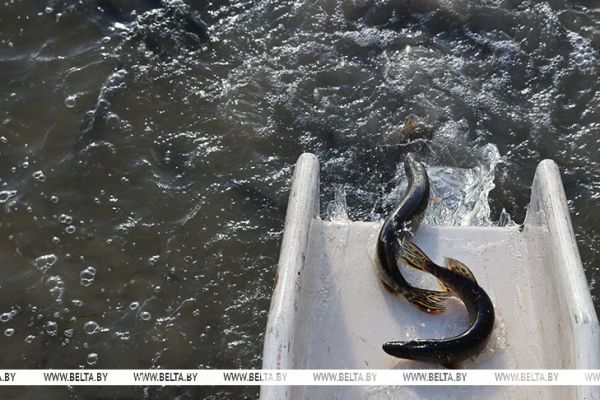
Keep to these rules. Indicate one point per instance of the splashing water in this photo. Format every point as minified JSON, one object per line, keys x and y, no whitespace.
{"x":337,"y":209}
{"x":459,"y":196}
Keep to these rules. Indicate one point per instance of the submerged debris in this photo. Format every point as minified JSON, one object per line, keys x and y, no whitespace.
{"x":414,"y":129}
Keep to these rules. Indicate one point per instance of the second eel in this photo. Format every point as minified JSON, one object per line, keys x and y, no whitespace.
{"x":460,"y":282}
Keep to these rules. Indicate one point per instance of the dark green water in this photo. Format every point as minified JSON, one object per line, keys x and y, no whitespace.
{"x":146,"y":152}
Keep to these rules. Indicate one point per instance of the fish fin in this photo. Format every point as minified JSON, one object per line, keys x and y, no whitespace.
{"x":443,"y":286}
{"x":427,"y":300}
{"x":414,"y":257}
{"x":460,"y":268}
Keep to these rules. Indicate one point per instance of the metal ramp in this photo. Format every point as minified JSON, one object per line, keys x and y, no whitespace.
{"x":329,"y":309}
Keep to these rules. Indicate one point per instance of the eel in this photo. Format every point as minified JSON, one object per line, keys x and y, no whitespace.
{"x":460,"y":281}
{"x":393,"y":232}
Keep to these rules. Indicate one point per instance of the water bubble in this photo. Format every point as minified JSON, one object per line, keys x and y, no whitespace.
{"x":91,"y":327}
{"x":51,"y":328}
{"x":3,"y":139}
{"x":70,"y":229}
{"x":55,"y":285}
{"x":9,"y":332}
{"x":39,"y":176}
{"x":25,"y":164}
{"x":7,"y":194}
{"x":54,"y":199}
{"x":87,"y":276}
{"x":5,"y":317}
{"x":122,"y":335}
{"x":65,"y":219}
{"x":145,"y":315}
{"x":43,"y":263}
{"x":113,"y":120}
{"x":103,"y":104}
{"x":49,"y":10}
{"x":77,"y":302}
{"x":70,"y":101}
{"x":134,"y":305}
{"x":68,"y":333}
{"x":29,"y":339}
{"x":55,"y":240}
{"x":154,"y":259}
{"x":92,"y":358}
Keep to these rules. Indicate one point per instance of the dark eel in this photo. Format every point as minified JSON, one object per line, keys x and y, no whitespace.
{"x":460,"y":281}
{"x":393,"y":233}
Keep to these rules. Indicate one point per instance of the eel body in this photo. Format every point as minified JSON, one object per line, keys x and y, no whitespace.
{"x":407,"y":214}
{"x":460,"y":282}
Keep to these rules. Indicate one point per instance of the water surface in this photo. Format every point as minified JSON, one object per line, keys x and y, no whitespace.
{"x":146,"y":152}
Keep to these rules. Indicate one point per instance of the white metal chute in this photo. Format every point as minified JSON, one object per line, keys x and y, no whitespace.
{"x":329,"y":310}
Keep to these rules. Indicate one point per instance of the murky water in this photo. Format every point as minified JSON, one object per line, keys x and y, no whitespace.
{"x":146,"y":151}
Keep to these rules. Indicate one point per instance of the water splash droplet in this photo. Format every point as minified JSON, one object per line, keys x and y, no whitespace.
{"x":39,"y":176}
{"x":70,"y":101}
{"x":55,"y":285}
{"x":51,"y":328}
{"x":154,"y":259}
{"x":91,"y":327}
{"x":65,"y":219}
{"x":7,"y":194}
{"x":113,"y":120}
{"x":92,"y":359}
{"x":43,"y":263}
{"x":337,"y":210}
{"x":87,"y":276}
